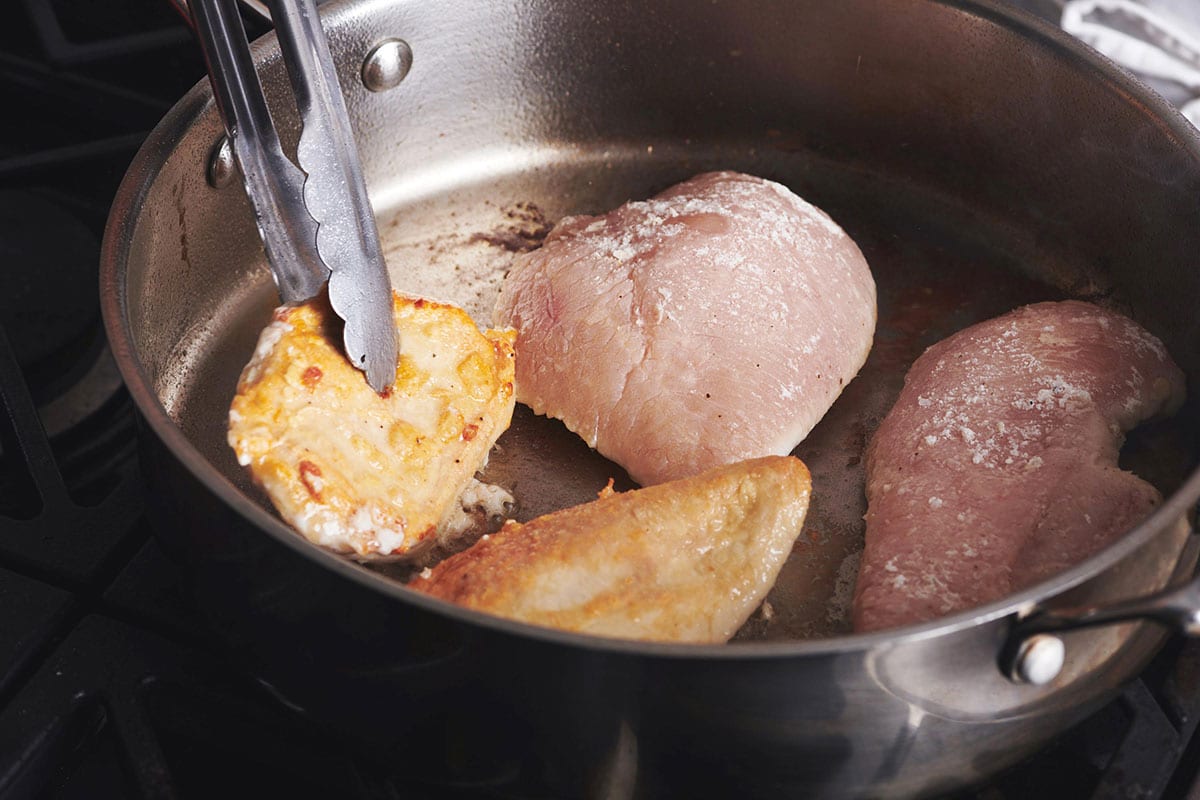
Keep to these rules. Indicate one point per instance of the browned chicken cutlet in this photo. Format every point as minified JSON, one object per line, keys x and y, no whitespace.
{"x":374,"y":475}
{"x":687,"y":561}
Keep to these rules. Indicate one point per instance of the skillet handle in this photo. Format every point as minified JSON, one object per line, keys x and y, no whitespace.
{"x":1033,"y":654}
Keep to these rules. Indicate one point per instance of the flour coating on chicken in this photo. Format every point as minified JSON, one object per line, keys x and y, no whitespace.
{"x":375,"y":476}
{"x":683,"y":561}
{"x":997,"y":466}
{"x":715,"y":322}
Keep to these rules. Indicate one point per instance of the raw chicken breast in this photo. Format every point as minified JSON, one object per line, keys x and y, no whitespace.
{"x":717,"y":321}
{"x":997,"y":467}
{"x":375,"y":476}
{"x":684,"y":561}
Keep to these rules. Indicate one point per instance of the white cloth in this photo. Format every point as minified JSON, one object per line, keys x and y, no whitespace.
{"x":1157,"y":40}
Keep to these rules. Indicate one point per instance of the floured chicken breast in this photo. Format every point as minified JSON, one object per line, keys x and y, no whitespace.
{"x":377,"y":476}
{"x":685,"y":561}
{"x":997,"y":466}
{"x":717,"y":321}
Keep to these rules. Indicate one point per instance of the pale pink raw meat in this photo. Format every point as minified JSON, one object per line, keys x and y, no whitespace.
{"x":997,"y":466}
{"x":715,"y":322}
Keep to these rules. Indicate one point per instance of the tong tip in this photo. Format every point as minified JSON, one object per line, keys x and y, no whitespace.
{"x":378,"y":361}
{"x":369,"y":335}
{"x":379,"y":375}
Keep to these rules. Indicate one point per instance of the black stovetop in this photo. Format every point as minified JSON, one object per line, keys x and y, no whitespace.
{"x":109,"y":683}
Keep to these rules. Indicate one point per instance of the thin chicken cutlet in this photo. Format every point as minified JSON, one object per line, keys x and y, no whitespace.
{"x":715,"y":322}
{"x":682,"y":561}
{"x":374,"y":475}
{"x":998,"y":465}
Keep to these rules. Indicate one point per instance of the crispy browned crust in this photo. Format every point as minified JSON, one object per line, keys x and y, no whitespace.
{"x":687,"y":560}
{"x":361,"y":472}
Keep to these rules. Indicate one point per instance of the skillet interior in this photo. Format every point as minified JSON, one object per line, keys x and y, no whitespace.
{"x":939,"y":264}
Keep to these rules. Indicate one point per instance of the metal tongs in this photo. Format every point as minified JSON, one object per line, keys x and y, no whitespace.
{"x":315,"y":218}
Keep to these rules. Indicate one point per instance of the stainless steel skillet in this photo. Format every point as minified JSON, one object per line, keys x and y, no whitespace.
{"x":981,"y":161}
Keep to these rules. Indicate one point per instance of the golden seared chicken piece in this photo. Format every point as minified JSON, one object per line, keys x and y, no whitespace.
{"x":375,"y":475}
{"x":684,"y":561}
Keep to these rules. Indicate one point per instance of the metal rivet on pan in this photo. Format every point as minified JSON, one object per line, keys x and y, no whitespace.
{"x":1039,"y":659}
{"x":386,"y":65}
{"x":221,"y":166}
